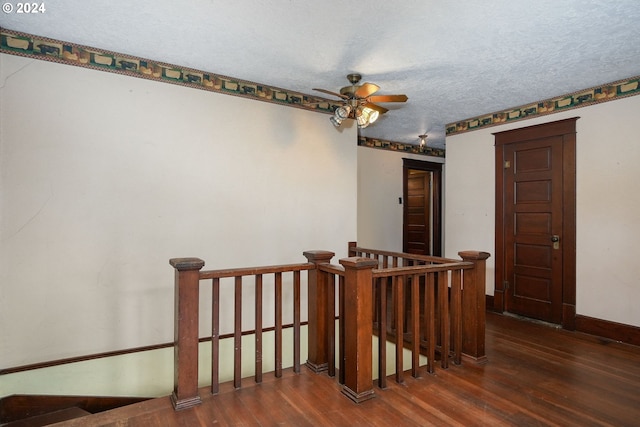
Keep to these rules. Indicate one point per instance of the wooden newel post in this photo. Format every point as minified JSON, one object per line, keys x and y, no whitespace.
{"x":358,"y":327}
{"x":318,"y":351}
{"x":185,"y":371}
{"x":474,"y":306}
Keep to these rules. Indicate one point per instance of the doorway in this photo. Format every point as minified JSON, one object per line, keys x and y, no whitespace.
{"x":535,"y":222}
{"x":422,"y":207}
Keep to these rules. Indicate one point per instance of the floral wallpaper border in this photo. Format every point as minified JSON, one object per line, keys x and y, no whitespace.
{"x":583,"y":98}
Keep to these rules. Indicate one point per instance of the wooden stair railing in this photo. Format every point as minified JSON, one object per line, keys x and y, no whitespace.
{"x":186,"y":335}
{"x":452,"y":319}
{"x":473,"y":291}
{"x":437,"y":324}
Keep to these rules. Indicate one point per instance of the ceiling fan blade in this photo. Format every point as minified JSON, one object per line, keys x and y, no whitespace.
{"x":366,"y":89}
{"x":328,"y":92}
{"x":373,"y":106}
{"x":388,"y":98}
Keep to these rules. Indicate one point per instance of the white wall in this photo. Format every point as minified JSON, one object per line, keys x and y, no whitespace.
{"x":104,"y":178}
{"x":608,"y":204}
{"x":379,"y":187}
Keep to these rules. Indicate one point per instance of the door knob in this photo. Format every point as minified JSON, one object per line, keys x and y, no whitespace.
{"x":556,"y":241}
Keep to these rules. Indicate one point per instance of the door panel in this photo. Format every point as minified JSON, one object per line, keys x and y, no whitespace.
{"x":534,"y":272}
{"x":530,"y":222}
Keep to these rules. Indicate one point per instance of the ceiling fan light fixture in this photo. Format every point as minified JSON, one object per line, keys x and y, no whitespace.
{"x":365,"y":116}
{"x":373,"y":115}
{"x":343,"y":112}
{"x":362,"y":118}
{"x":340,"y":114}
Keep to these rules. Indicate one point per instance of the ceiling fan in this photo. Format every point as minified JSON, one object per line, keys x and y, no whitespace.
{"x":360,"y":102}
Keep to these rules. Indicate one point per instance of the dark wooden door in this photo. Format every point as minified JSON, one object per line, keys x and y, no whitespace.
{"x":422,"y":188}
{"x":537,"y":233}
{"x":533,"y":228}
{"x":418,"y":213}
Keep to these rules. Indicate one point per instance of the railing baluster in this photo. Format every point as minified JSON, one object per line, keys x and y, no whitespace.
{"x":443,"y":305}
{"x":394,"y":319}
{"x":456,"y":315}
{"x":215,"y":336}
{"x":296,"y":322}
{"x":430,"y":320}
{"x":278,"y":331}
{"x":415,"y":325}
{"x":382,"y":333}
{"x":258,"y":337}
{"x":237,"y":333}
{"x":341,"y":341}
{"x":331,"y":325}
{"x":399,"y":311}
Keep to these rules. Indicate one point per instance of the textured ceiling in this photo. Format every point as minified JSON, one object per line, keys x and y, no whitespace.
{"x":453,"y":59}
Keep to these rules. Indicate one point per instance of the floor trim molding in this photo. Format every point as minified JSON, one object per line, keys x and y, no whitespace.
{"x":607,"y":329}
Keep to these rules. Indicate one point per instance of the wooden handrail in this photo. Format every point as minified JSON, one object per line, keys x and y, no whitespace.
{"x":359,"y":251}
{"x":421,"y":269}
{"x":253,"y":271}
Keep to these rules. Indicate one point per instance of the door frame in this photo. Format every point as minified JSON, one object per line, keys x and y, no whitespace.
{"x":567,"y":129}
{"x":436,"y":169}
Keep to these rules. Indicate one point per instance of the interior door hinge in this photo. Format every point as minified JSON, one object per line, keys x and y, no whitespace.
{"x":505,"y":285}
{"x":507,"y":164}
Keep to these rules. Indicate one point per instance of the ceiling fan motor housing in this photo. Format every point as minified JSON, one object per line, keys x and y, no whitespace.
{"x":350,"y":90}
{"x":354,"y":78}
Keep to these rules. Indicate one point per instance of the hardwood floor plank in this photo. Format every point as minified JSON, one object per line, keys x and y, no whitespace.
{"x":536,"y":375}
{"x":226,"y":409}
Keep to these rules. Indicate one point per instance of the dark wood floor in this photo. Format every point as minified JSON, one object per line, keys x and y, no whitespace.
{"x":536,"y":376}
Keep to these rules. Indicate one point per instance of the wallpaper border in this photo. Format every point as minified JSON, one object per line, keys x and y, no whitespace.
{"x":400,"y":147}
{"x":37,"y":47}
{"x":582,"y":98}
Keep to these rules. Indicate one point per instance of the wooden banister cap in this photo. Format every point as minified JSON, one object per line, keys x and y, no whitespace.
{"x":186,"y":263}
{"x":473,"y":255}
{"x":318,"y":255}
{"x":359,"y":262}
